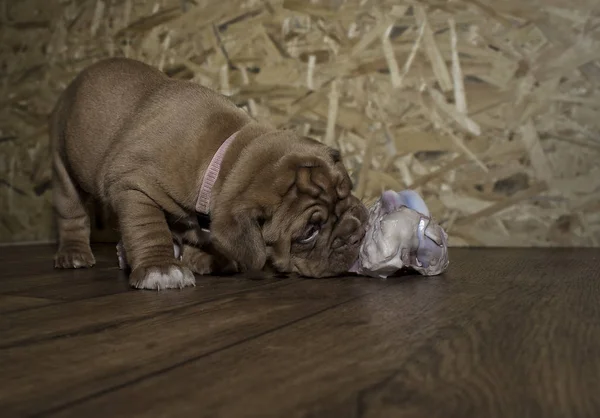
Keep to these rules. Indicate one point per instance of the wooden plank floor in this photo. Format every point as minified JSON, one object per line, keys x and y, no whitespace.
{"x":504,"y":333}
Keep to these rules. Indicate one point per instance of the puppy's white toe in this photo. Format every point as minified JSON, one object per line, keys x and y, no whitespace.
{"x":159,"y":278}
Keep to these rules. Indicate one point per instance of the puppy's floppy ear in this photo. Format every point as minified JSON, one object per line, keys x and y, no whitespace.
{"x":237,"y":235}
{"x":314,"y":172}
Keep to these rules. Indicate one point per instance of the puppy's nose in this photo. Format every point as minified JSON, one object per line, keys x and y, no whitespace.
{"x":352,"y":240}
{"x":358,"y":235}
{"x":360,"y":212}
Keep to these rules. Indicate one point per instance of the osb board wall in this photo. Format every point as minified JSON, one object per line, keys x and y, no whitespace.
{"x":489,"y":109}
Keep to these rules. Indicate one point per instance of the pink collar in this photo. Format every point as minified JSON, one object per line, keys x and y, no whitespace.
{"x":210,"y":176}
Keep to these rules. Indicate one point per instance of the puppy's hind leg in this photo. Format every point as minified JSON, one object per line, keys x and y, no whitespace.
{"x":72,"y":218}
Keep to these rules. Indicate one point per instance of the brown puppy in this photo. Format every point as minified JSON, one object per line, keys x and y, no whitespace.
{"x":141,"y":143}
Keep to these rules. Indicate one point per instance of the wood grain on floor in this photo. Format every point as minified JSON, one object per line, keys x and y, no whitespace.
{"x":504,"y":333}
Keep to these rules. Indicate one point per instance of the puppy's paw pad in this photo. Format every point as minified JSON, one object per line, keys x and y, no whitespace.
{"x":73,"y":259}
{"x":164,"y":277}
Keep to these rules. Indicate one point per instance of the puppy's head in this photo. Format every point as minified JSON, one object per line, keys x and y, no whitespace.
{"x":288,"y":201}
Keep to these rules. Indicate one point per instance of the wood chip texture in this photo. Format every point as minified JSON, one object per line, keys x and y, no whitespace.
{"x":490,"y":110}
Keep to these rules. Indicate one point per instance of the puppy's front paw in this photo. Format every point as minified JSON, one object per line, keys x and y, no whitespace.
{"x":168,"y":276}
{"x":122,"y":256}
{"x":197,"y":260}
{"x":73,"y":258}
{"x":205,"y":263}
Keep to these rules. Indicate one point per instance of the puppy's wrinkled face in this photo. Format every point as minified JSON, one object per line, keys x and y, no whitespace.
{"x":317,"y":228}
{"x":297,"y":212}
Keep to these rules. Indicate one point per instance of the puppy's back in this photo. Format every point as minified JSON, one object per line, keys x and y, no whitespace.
{"x":102,"y":96}
{"x":93,"y":109}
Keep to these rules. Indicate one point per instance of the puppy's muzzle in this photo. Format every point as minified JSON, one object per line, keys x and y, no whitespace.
{"x":352,"y":227}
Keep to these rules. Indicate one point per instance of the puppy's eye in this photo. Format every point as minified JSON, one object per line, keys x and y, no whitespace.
{"x":310,"y":233}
